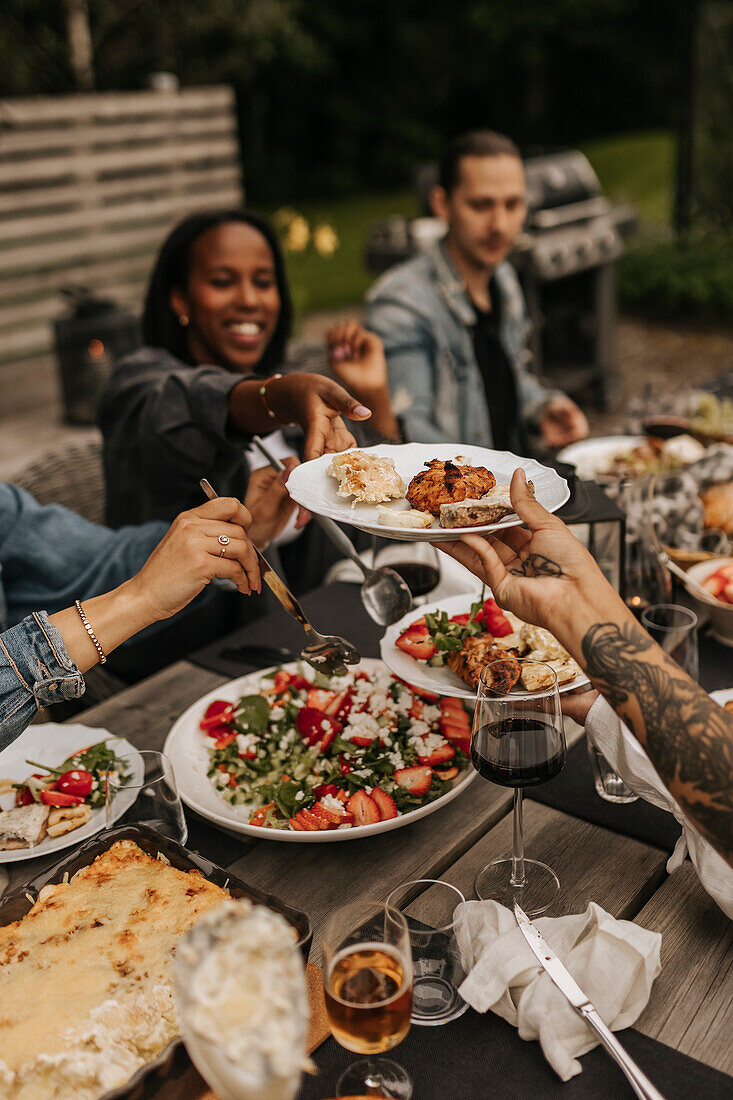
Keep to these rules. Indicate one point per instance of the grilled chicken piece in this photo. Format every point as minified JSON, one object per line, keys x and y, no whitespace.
{"x":475,"y":654}
{"x":446,"y":483}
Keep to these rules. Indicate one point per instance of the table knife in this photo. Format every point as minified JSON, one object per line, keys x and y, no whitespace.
{"x":567,"y":985}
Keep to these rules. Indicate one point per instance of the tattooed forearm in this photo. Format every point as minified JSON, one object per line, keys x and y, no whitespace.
{"x":537,"y":565}
{"x":687,"y":736}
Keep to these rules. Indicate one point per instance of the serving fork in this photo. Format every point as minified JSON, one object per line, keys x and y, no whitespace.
{"x":326,"y":653}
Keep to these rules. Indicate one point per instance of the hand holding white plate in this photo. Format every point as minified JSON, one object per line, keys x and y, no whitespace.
{"x":312,"y":487}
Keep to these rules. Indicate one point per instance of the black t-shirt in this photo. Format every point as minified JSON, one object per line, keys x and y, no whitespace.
{"x":496,"y":374}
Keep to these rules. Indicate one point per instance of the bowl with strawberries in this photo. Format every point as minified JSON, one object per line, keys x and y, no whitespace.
{"x":716,"y":577}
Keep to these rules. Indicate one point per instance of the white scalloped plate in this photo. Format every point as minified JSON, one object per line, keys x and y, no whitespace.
{"x":185,"y":747}
{"x":50,"y":744}
{"x":311,"y":486}
{"x":442,"y":680}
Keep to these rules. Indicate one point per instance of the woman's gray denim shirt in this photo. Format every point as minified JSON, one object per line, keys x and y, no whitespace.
{"x":49,"y":557}
{"x":423,"y":314}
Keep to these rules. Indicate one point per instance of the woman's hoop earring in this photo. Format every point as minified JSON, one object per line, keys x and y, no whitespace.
{"x":182,"y":319}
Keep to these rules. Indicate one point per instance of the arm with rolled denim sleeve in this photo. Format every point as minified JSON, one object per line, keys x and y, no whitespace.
{"x":409,"y":349}
{"x":35,"y":671}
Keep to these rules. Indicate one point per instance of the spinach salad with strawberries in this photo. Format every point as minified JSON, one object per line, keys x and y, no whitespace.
{"x":334,"y":753}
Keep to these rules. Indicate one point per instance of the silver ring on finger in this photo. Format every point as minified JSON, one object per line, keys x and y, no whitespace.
{"x":223,"y":541}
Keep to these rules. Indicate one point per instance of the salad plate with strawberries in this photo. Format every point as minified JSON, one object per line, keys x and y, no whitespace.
{"x":444,"y":646}
{"x":54,"y":776}
{"x":288,"y":754}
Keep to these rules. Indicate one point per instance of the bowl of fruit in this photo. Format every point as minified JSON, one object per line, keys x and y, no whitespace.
{"x":716,"y":577}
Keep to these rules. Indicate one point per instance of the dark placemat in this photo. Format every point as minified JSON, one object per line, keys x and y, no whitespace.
{"x":333,"y":609}
{"x":573,"y":792}
{"x":478,"y":1056}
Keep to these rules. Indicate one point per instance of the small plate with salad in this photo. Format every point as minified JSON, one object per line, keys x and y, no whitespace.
{"x":63,"y":767}
{"x":287,"y":754}
{"x":417,"y":647}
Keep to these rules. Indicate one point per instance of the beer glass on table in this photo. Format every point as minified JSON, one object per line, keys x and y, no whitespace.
{"x":367,"y":980}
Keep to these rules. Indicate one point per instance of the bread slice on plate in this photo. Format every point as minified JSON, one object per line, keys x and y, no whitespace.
{"x":23,"y":826}
{"x":490,"y":508}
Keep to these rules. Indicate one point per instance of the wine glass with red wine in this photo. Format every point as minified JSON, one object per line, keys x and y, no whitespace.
{"x":418,"y":563}
{"x":518,"y":741}
{"x":367,"y":980}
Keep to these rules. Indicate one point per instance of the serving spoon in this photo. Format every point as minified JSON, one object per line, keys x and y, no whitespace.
{"x":326,"y":653}
{"x":385,"y":595}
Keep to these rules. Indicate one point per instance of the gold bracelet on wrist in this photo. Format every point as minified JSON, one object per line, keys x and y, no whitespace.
{"x":90,"y":632}
{"x":263,"y":394}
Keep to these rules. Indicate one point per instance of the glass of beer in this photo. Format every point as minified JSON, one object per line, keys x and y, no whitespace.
{"x":367,"y":979}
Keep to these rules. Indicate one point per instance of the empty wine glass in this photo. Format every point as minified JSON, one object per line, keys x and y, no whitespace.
{"x":518,"y":741}
{"x":148,"y":778}
{"x":674,"y":628}
{"x":367,"y":980}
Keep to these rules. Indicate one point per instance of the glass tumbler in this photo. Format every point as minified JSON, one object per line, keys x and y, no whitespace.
{"x":437,"y":964}
{"x":151,"y":798}
{"x":674,"y":628}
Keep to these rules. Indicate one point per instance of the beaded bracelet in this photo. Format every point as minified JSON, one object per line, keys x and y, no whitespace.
{"x":263,"y":395}
{"x":90,"y":632}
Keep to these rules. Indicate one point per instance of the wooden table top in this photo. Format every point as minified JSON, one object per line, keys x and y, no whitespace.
{"x":691,"y":1001}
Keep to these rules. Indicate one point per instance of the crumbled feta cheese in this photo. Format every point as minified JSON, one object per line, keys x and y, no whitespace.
{"x":325,"y":725}
{"x":423,"y":746}
{"x":418,"y":728}
{"x":362,"y":725}
{"x":431,"y":714}
{"x":245,"y":742}
{"x":395,"y":759}
{"x":276,"y":713}
{"x":330,"y":802}
{"x":300,"y":795}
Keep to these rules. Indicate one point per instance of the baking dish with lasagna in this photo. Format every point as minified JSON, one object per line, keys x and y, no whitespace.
{"x":85,"y":955}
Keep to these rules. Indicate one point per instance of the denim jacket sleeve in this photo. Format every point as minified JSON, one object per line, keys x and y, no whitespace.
{"x":411,"y":364}
{"x":35,"y":671}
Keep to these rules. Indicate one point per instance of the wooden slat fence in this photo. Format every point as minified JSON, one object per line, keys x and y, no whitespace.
{"x":89,"y":186}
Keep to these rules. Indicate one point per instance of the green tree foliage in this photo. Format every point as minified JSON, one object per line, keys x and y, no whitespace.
{"x":339,"y":95}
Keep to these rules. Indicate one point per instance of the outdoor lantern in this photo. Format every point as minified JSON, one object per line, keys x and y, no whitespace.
{"x":88,"y":342}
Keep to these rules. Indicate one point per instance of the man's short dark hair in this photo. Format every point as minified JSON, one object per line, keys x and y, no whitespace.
{"x":475,"y":143}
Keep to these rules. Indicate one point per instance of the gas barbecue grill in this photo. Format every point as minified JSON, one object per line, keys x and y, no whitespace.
{"x":565,"y":258}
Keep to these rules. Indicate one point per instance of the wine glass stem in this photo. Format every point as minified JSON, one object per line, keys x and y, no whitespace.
{"x":517,"y":878}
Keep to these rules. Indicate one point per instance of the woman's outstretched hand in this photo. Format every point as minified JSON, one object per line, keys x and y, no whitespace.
{"x":190,"y":555}
{"x":318,"y":405}
{"x":269,"y":502}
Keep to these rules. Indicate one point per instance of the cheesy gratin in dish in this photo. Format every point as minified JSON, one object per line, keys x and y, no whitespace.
{"x":86,"y":977}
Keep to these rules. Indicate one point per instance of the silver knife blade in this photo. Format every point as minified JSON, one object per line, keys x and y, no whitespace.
{"x":557,"y":970}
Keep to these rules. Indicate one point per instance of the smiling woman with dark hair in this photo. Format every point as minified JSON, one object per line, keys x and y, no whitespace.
{"x":216,"y":321}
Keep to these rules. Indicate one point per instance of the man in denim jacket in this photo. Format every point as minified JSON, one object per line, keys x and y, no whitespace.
{"x":454,"y":322}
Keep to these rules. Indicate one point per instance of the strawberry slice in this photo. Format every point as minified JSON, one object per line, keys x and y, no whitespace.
{"x":332,"y":818}
{"x":363,"y":742}
{"x":224,"y":740}
{"x":311,"y":821}
{"x":218,"y":712}
{"x":364,"y":808}
{"x":320,"y":699}
{"x":416,"y":779}
{"x":340,"y":707}
{"x":58,"y":798}
{"x":428,"y":696}
{"x":462,"y":620}
{"x":447,"y":773}
{"x":325,"y":742}
{"x":417,"y":708}
{"x":441,"y":755}
{"x":416,"y":642}
{"x":308,"y":723}
{"x":295,"y":824}
{"x":344,"y":765}
{"x":326,"y":788}
{"x":385,"y":804}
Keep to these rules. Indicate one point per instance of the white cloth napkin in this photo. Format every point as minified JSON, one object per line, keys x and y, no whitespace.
{"x":626,"y":756}
{"x":613,"y":961}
